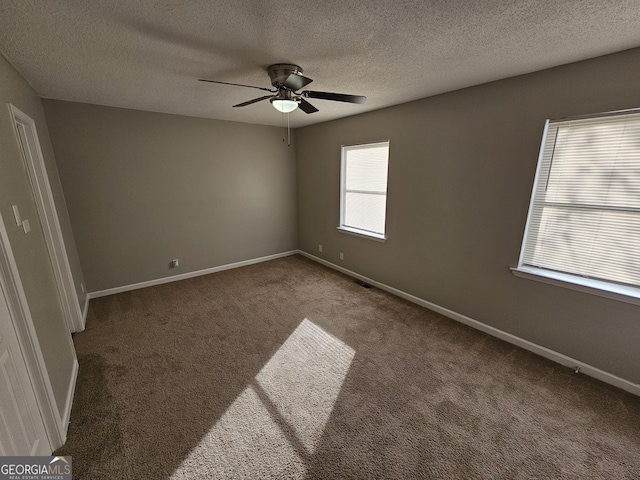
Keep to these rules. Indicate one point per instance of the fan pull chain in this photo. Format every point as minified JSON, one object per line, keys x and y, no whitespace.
{"x":288,"y":130}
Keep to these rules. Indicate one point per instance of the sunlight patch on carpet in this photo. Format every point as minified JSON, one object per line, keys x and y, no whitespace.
{"x":303,"y":380}
{"x":245,"y":443}
{"x":276,"y":423}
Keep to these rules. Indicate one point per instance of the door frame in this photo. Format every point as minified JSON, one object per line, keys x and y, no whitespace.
{"x":29,"y":144}
{"x":27,"y":339}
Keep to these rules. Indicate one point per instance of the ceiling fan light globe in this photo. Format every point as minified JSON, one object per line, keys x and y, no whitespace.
{"x":284,"y":106}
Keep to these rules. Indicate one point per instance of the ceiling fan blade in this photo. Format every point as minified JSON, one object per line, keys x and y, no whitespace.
{"x":236,"y":84}
{"x":295,"y":81}
{"x":244,"y":104}
{"x":306,"y":107}
{"x":337,"y":97}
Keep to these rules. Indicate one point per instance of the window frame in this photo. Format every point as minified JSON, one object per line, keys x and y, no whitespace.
{"x":380,"y":237}
{"x":604,"y":288}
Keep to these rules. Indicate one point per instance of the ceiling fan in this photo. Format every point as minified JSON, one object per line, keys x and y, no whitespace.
{"x":287,"y":80}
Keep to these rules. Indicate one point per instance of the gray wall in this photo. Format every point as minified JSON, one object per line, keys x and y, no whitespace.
{"x":144,"y":188}
{"x":30,"y":249}
{"x":460,"y":176}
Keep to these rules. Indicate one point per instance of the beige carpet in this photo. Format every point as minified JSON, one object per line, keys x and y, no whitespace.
{"x":287,"y":369}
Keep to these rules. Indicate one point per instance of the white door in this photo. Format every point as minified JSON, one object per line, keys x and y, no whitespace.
{"x":21,"y":427}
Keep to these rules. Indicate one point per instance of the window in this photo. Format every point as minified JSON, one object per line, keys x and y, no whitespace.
{"x":363,"y":189}
{"x":583,"y":228}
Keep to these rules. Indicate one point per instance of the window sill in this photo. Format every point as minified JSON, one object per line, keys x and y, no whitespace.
{"x":363,"y":233}
{"x":601,"y":288}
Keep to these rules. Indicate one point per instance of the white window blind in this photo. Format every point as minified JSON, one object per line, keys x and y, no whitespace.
{"x":584,"y":218}
{"x":364,"y":187}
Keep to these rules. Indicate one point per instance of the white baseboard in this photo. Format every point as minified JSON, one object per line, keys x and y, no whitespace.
{"x":183,"y":276}
{"x":507,"y":337}
{"x":69,"y":401}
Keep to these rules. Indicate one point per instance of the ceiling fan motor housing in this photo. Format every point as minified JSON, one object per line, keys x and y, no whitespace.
{"x":279,"y":72}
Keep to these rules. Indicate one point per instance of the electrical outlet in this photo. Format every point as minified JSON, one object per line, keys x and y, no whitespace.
{"x":174,"y":263}
{"x":341,"y":256}
{"x":320,"y":248}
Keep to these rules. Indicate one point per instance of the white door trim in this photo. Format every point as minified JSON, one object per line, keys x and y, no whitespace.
{"x":28,"y":340}
{"x":29,"y":144}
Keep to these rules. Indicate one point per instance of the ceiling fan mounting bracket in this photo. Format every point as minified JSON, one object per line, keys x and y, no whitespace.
{"x":279,"y":72}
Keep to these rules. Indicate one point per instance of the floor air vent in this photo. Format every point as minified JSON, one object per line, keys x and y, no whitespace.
{"x":363,"y":284}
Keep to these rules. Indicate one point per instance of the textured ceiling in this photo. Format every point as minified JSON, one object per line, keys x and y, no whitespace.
{"x":148,"y":54}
